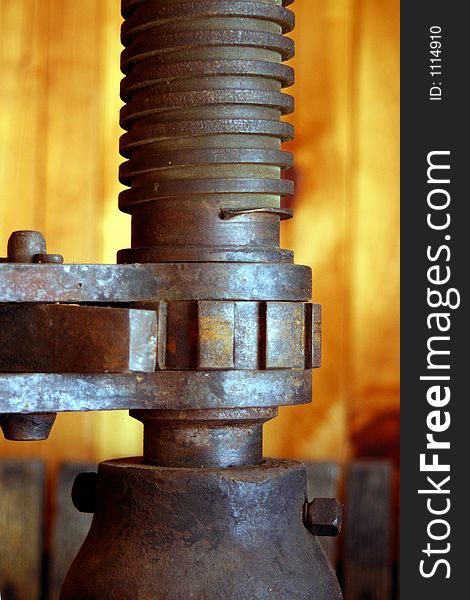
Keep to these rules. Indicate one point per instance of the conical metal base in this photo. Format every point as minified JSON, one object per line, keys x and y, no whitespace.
{"x":206,"y":534}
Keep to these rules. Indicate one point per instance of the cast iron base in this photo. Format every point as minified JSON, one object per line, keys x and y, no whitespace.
{"x":203,"y":534}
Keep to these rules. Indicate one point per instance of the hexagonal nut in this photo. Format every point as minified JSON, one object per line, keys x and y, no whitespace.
{"x":323,"y":516}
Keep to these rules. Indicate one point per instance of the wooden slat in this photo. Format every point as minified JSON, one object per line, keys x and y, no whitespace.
{"x":323,"y":482}
{"x":70,"y":527}
{"x":319,"y":233}
{"x":22,"y":102}
{"x":21,"y":529}
{"x":374,"y":420}
{"x":73,"y":190}
{"x":367,"y":532}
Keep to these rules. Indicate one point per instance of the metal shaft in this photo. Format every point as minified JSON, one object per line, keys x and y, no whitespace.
{"x":203,"y":91}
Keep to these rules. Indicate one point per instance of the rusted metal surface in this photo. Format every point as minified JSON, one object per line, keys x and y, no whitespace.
{"x":129,"y":6}
{"x":214,"y":334}
{"x":169,"y":534}
{"x":24,"y":246}
{"x":153,"y":15}
{"x":282,"y":213}
{"x":53,"y":338}
{"x":203,"y":91}
{"x":178,"y":390}
{"x":204,"y":438}
{"x":191,"y":254}
{"x":216,"y":312}
{"x":153,"y":282}
{"x":27,"y":427}
{"x":53,"y":259}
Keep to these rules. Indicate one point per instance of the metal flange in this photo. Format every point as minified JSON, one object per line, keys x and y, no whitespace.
{"x":168,"y":390}
{"x":107,"y":284}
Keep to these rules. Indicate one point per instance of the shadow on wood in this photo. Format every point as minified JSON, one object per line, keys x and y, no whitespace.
{"x":367,"y":556}
{"x":70,"y":527}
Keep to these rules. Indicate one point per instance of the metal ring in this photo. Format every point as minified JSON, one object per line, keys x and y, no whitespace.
{"x":129,"y":6}
{"x":151,"y":44}
{"x":206,"y":156}
{"x":159,"y":73}
{"x":137,"y":109}
{"x":151,"y":15}
{"x":181,"y":129}
{"x":186,"y":187}
{"x":195,"y":254}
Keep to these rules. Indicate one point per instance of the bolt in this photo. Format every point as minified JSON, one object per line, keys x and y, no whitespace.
{"x":84,"y":492}
{"x":28,"y":247}
{"x":323,"y":516}
{"x":24,"y":245}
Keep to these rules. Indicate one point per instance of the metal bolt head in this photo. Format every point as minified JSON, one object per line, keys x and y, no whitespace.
{"x":24,"y":245}
{"x":323,"y":516}
{"x":84,"y":492}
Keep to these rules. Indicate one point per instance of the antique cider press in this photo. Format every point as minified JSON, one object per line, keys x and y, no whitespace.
{"x":202,"y":329}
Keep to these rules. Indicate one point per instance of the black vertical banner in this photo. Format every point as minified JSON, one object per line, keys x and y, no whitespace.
{"x":435,"y":259}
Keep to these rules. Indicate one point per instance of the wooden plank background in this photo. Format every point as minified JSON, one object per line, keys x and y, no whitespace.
{"x":59,"y":87}
{"x":21,"y":526}
{"x":367,"y":550}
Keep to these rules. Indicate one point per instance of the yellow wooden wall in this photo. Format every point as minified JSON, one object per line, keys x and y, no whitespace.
{"x":59,"y":86}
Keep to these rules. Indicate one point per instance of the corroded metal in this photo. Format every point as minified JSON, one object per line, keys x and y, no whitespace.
{"x":104,"y":284}
{"x":204,"y":438}
{"x":52,"y":338}
{"x":206,"y":302}
{"x":165,"y":390}
{"x":30,"y":427}
{"x":24,"y":246}
{"x":323,"y":516}
{"x":173,"y":534}
{"x":203,"y":91}
{"x":214,"y":334}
